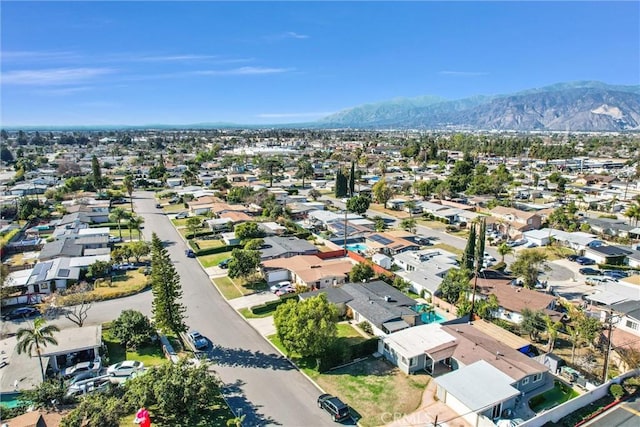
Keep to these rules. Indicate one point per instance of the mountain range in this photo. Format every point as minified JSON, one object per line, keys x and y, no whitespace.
{"x":574,"y":106}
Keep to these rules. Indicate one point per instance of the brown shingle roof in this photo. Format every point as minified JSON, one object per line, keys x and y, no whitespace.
{"x":513,"y":298}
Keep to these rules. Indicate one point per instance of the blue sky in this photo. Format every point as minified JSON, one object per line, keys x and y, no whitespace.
{"x":90,"y":63}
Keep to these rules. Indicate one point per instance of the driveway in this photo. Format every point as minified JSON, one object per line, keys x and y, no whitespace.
{"x":253,"y":299}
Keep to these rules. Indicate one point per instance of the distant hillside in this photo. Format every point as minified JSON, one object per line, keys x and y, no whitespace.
{"x":575,"y":106}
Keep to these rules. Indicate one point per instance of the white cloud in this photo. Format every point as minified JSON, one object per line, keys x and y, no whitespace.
{"x":242,"y":71}
{"x":52,"y":76}
{"x":463,"y":73}
{"x":295,"y":35}
{"x":63,"y":90}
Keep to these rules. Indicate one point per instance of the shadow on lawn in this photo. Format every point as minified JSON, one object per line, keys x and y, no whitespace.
{"x":241,"y":406}
{"x":246,"y":358}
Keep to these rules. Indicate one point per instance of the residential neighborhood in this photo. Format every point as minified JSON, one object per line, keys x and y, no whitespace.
{"x":412,"y":277}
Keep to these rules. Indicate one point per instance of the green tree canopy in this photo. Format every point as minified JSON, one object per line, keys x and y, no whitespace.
{"x":168,"y":311}
{"x":527,"y":266}
{"x":248,"y":230}
{"x":382,"y":192}
{"x":243,"y":263}
{"x":358,"y":204}
{"x":454,"y":285}
{"x":306,"y":327}
{"x":132,"y":328}
{"x":361,"y":272}
{"x":32,"y":340}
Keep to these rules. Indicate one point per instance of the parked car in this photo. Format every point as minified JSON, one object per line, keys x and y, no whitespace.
{"x":90,"y":386}
{"x":21,"y":313}
{"x":224,"y":263}
{"x":158,"y":206}
{"x":285,"y":290}
{"x":125,"y":368}
{"x":599,"y":280}
{"x":189,"y":253}
{"x":573,"y":258}
{"x":585,"y":261}
{"x":275,"y":288}
{"x":197,"y":340}
{"x":615,"y":274}
{"x":588,"y":271}
{"x":82,"y":377}
{"x":181,"y":215}
{"x":115,"y":239}
{"x":82,"y":367}
{"x":124,"y":266}
{"x":334,"y":406}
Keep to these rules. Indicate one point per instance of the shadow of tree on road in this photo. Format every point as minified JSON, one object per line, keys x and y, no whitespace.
{"x":249,"y":359}
{"x":241,"y":406}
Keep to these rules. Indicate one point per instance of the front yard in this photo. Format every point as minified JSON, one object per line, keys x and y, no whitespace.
{"x":373,"y":387}
{"x":235,"y":288}
{"x":150,"y":355}
{"x":213,"y":259}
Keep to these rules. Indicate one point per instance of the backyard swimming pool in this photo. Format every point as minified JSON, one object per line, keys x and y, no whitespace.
{"x":429,"y":315}
{"x":357,"y":247}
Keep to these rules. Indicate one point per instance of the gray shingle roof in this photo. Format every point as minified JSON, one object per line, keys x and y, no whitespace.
{"x":58,"y":248}
{"x":279,"y":246}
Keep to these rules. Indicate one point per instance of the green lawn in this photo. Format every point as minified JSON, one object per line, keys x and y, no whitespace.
{"x":372,"y":387}
{"x":150,"y":355}
{"x":213,"y":259}
{"x":228,"y":288}
{"x":349,"y":334}
{"x":449,"y":248}
{"x":206,"y":244}
{"x":173,"y":208}
{"x":560,"y":393}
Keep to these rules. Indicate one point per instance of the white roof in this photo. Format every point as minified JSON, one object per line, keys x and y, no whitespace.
{"x":464,"y":384}
{"x":614,"y":292}
{"x":75,"y":339}
{"x":414,"y":341}
{"x":93,"y":231}
{"x":85,"y":261}
{"x":18,"y":278}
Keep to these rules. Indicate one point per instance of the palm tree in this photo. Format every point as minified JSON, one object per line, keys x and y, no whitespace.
{"x":633,"y":213}
{"x":305,"y":170}
{"x":135,"y":223}
{"x":411,"y":206}
{"x":552,"y":332}
{"x":117,"y":215}
{"x":128,"y":185}
{"x":33,"y":340}
{"x":504,"y":249}
{"x":575,"y":339}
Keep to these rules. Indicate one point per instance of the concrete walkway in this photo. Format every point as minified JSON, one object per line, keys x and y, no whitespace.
{"x":429,"y":409}
{"x":264,"y":325}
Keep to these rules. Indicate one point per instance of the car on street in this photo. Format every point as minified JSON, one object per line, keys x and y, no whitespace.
{"x":197,"y":340}
{"x":21,"y":313}
{"x":125,"y":368}
{"x":158,"y":206}
{"x":585,"y":261}
{"x":89,"y":386}
{"x":588,"y":271}
{"x":338,"y":410}
{"x":189,"y":253}
{"x":82,"y":367}
{"x":275,"y":288}
{"x":224,"y":263}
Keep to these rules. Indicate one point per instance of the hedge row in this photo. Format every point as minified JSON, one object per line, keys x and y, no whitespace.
{"x":218,"y":250}
{"x":341,"y":353}
{"x":271,"y":306}
{"x":190,"y":236}
{"x":111,"y":225}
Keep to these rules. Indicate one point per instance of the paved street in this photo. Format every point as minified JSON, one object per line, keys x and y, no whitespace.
{"x":259,"y":381}
{"x":626,"y":414}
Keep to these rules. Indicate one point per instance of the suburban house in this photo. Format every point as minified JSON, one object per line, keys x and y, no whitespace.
{"x":514,"y":222}
{"x":389,"y":244}
{"x":614,"y":255}
{"x":219,"y":224}
{"x":385,"y":308}
{"x":425,"y":269}
{"x":308,"y":270}
{"x":464,"y":361}
{"x":625,"y":336}
{"x":577,"y":240}
{"x":272,"y":228}
{"x":285,"y":247}
{"x":202,"y":206}
{"x":609,"y":227}
{"x":513,"y":299}
{"x":65,"y":247}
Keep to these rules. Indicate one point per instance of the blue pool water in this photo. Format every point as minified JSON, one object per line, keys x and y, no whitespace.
{"x":357,"y":247}
{"x":10,"y":400}
{"x":428,"y":317}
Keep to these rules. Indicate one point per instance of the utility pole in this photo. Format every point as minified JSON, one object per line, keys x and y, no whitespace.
{"x":345,"y":230}
{"x":476,"y":273}
{"x":605,"y":368}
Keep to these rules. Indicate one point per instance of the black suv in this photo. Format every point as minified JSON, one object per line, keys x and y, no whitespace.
{"x":337,"y":408}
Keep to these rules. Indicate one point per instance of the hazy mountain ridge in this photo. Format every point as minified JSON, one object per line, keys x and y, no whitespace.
{"x":573,"y":106}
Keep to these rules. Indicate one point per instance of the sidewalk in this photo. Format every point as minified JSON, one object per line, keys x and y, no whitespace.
{"x":429,"y":409}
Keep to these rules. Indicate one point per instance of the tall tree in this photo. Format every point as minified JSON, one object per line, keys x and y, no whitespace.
{"x":382,"y":192}
{"x":96,"y":173}
{"x":307,"y":327}
{"x":244,"y":263}
{"x":361,"y":272}
{"x":32,"y":340}
{"x":552,"y":329}
{"x":411,"y":206}
{"x":352,"y":179}
{"x":532,"y":322}
{"x":341,"y":189}
{"x":135,"y":224}
{"x":455,"y":285}
{"x":468,"y":257}
{"x":168,"y":311}
{"x":117,"y":215}
{"x":480,"y":245}
{"x":503,"y":250}
{"x":305,"y":170}
{"x":132,"y":328}
{"x":194,"y":224}
{"x":128,"y":185}
{"x":358,"y":204}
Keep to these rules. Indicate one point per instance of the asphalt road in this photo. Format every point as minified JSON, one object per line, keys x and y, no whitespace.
{"x":626,"y":414}
{"x":259,"y":382}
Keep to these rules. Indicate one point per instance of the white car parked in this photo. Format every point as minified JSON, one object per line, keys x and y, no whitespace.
{"x":125,"y":368}
{"x":275,"y":288}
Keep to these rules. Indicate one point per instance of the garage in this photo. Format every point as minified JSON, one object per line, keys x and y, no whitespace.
{"x":278,"y":275}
